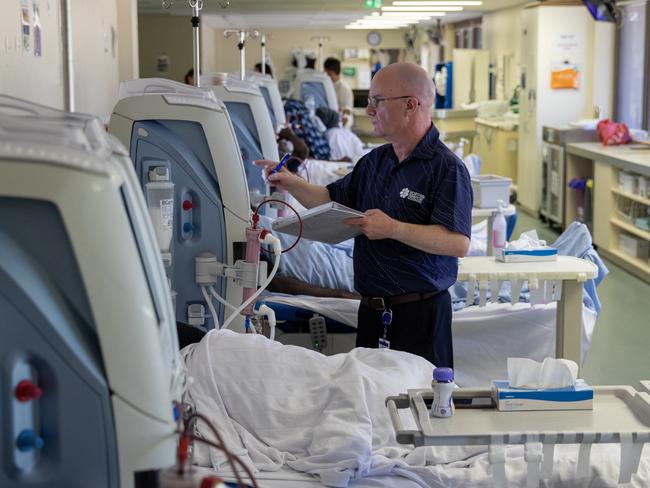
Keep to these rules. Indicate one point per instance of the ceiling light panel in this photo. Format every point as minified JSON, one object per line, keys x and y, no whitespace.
{"x":442,"y":8}
{"x":462,"y":3}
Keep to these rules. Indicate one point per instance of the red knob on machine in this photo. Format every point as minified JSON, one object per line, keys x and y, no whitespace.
{"x":27,"y":391}
{"x":187,"y":205}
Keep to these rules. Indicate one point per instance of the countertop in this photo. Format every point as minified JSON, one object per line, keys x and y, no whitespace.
{"x":452,"y":113}
{"x":508,"y":124}
{"x":637,"y":160}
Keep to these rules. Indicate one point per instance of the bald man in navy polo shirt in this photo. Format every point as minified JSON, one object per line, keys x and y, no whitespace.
{"x":417,"y":199}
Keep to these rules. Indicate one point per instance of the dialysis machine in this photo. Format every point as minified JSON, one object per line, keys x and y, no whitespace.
{"x":310,"y":83}
{"x":253,"y":126}
{"x":187,"y":160}
{"x":89,"y":350}
{"x":269,"y":89}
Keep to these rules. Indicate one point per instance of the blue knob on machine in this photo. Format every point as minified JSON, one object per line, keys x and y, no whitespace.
{"x":187,"y":227}
{"x":28,"y":441}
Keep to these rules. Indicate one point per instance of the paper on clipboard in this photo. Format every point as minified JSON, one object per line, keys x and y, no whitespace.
{"x":324,"y":223}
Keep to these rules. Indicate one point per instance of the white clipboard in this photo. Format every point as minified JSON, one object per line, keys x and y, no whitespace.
{"x":323,"y":223}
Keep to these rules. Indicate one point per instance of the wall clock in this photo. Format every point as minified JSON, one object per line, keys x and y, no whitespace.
{"x":374,"y":38}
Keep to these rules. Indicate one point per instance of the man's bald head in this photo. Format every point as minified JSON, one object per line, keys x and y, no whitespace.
{"x":407,"y":79}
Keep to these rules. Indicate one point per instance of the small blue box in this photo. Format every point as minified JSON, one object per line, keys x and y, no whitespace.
{"x":526,"y":255}
{"x":578,"y":397}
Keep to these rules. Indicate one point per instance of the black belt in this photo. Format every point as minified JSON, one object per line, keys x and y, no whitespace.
{"x":382,"y":303}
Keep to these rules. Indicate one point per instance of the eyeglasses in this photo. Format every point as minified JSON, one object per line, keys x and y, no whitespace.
{"x":375,"y":101}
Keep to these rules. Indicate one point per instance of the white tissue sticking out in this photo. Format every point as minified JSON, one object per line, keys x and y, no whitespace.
{"x":527,"y":241}
{"x":552,"y":373}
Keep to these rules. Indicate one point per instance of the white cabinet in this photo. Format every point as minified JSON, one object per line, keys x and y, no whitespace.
{"x":552,"y":36}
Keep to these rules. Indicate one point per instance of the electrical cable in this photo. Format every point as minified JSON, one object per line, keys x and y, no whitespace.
{"x":256,"y":218}
{"x":218,"y":445}
{"x":208,"y":300}
{"x":238,"y":461}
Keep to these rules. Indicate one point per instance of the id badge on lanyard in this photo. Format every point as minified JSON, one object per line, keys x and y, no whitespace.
{"x":386,"y":320}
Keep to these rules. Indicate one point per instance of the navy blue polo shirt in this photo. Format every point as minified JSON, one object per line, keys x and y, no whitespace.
{"x":431,"y":186}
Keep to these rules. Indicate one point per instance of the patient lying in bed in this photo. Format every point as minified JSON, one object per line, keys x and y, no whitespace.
{"x":279,"y":406}
{"x":324,"y":270}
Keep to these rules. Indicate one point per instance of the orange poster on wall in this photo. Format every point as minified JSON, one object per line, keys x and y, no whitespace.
{"x":565,"y":77}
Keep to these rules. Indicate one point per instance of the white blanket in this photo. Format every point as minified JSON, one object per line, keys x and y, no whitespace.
{"x":281,"y":405}
{"x":484,"y":337}
{"x":323,"y":415}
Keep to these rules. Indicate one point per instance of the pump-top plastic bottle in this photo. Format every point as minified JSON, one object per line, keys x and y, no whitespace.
{"x":443,"y":387}
{"x":499,"y":228}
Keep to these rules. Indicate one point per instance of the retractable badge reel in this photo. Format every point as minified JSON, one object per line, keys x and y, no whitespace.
{"x":386,"y":319}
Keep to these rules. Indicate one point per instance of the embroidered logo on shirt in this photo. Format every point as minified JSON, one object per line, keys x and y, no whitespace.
{"x":411,"y":195}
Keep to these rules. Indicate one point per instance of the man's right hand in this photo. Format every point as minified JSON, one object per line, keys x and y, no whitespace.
{"x":283,"y":178}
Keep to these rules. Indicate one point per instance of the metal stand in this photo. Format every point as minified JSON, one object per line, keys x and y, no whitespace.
{"x":241,"y":45}
{"x":263,"y":67}
{"x":320,"y":40}
{"x":197,"y":6}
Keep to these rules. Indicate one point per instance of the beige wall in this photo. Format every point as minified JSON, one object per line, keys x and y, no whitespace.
{"x":165,"y":35}
{"x":127,"y":23}
{"x":96,"y":56}
{"x":22,"y":74}
{"x":501,"y":37}
{"x":601,"y":90}
{"x":40,"y":79}
{"x":208,"y":41}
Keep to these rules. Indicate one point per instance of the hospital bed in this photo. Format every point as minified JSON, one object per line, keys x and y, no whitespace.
{"x":483,"y":337}
{"x":351,"y":441}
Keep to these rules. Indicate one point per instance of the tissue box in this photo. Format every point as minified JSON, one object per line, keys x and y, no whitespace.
{"x":525,"y":255}
{"x":578,"y":397}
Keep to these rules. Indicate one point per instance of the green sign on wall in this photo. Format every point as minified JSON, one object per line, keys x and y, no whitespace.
{"x":372,"y":3}
{"x":349,"y":71}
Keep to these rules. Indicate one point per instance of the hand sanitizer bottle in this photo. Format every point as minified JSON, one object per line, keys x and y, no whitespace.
{"x":499,"y":228}
{"x":443,"y":386}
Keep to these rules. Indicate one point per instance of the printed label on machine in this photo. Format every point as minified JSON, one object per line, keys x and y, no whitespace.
{"x":167,"y":213}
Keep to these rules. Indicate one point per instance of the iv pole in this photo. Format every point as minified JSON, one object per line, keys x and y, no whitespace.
{"x":263,"y":54}
{"x":241,"y":45}
{"x":320,"y":40}
{"x":197,"y":6}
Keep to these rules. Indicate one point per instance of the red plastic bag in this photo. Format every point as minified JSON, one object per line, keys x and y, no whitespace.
{"x":612,"y":133}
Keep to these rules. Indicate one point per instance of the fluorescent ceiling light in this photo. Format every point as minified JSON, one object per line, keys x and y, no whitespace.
{"x":401,"y":24}
{"x":373,"y":27}
{"x":404,"y":16}
{"x":466,"y":3}
{"x":422,"y":9}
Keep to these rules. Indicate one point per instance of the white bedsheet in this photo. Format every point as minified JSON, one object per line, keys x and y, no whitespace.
{"x":281,"y":406}
{"x":484,"y":337}
{"x":603,"y":472}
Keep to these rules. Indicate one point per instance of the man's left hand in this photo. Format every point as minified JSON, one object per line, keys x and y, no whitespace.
{"x":375,"y":224}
